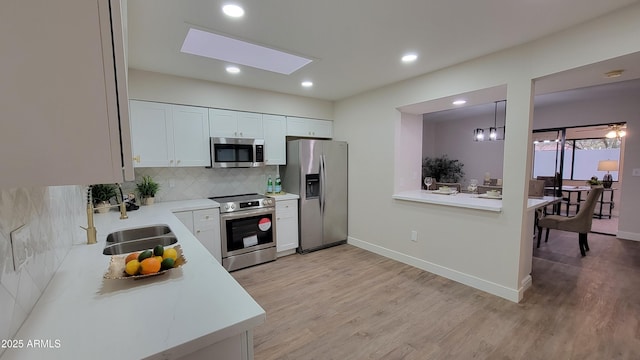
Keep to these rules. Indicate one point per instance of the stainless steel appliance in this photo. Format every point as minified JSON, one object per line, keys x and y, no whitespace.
{"x":236,"y":153}
{"x":317,"y":171}
{"x":247,"y":229}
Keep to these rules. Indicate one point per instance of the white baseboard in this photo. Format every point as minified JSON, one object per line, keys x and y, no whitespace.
{"x":514,"y":295}
{"x":628,"y":235}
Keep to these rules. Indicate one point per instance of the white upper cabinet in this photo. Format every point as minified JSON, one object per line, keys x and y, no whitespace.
{"x":166,"y":135}
{"x":191,"y":135}
{"x":315,"y":128}
{"x":275,"y":142}
{"x":235,"y":124}
{"x":63,"y":101}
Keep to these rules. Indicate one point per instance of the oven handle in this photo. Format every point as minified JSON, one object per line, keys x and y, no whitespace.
{"x":247,"y":213}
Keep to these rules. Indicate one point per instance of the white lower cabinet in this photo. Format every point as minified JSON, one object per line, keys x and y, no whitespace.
{"x":205,"y":225}
{"x":286,"y":225}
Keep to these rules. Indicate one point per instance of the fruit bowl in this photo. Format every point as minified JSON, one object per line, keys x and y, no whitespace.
{"x":117,"y":267}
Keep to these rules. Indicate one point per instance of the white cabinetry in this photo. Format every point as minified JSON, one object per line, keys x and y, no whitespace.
{"x":235,"y":124}
{"x":309,"y":127}
{"x":166,"y":135}
{"x":287,"y":225}
{"x":205,"y":225}
{"x":63,"y":101}
{"x":275,"y":139}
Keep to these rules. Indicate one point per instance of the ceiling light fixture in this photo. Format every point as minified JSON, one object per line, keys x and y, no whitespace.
{"x":409,"y":58}
{"x":459,"y":102}
{"x":233,"y":10}
{"x":613,"y":73}
{"x":307,"y":84}
{"x":233,"y":69}
{"x":478,"y":134}
{"x":616,"y":132}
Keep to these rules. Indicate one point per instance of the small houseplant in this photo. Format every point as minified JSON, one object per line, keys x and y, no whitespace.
{"x":101,"y":194}
{"x":147,"y":189}
{"x":594,"y":181}
{"x":442,"y":169}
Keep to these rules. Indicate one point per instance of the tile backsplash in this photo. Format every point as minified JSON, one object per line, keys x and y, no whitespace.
{"x":53,"y":216}
{"x":197,"y":183}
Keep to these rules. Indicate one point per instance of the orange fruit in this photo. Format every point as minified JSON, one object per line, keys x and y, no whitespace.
{"x":132,"y":256}
{"x":150,"y":266}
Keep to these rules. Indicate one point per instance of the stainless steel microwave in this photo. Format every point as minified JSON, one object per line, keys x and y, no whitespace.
{"x":236,"y":153}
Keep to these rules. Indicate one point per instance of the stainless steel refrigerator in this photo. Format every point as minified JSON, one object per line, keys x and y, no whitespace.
{"x":317,"y":171}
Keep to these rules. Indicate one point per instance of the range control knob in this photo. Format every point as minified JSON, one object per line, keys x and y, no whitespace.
{"x":229,"y":206}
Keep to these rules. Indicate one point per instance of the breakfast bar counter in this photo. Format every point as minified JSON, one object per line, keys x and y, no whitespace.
{"x":195,"y":311}
{"x":467,"y":200}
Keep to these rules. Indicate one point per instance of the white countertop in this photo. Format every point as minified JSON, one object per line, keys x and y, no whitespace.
{"x":161,"y":317}
{"x":283,"y":196}
{"x":466,"y":200}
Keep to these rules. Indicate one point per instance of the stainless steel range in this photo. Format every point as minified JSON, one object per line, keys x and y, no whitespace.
{"x":247,"y":230}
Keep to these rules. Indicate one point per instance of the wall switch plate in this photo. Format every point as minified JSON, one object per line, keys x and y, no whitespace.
{"x":20,"y":237}
{"x":414,"y":236}
{"x":636,"y":172}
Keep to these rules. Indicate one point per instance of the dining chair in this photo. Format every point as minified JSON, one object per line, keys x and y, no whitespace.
{"x":581,"y":223}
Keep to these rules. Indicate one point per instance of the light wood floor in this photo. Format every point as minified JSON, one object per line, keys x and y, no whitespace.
{"x":347,"y":303}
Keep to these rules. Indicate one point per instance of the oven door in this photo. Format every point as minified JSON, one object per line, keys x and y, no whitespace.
{"x":246,"y":231}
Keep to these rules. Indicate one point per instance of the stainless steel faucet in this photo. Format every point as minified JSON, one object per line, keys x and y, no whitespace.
{"x":91,"y":229}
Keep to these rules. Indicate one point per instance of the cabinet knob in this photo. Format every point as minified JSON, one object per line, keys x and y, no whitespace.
{"x":197,"y":231}
{"x":170,"y":161}
{"x":240,"y":133}
{"x":178,"y":161}
{"x":206,"y":217}
{"x":136,"y":158}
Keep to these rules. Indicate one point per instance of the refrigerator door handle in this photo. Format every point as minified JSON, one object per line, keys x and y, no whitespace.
{"x":323,"y":178}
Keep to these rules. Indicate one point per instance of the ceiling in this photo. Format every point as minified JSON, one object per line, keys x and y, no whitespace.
{"x":355,"y":45}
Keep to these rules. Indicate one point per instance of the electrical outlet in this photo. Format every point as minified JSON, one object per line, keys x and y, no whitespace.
{"x":414,"y":235}
{"x":636,"y":172}
{"x":20,"y":237}
{"x":172,"y":183}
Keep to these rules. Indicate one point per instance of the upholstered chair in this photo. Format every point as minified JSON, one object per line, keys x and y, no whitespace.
{"x":581,"y":223}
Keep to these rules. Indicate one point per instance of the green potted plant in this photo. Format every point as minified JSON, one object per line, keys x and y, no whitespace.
{"x":101,"y":194}
{"x":442,"y":169}
{"x":594,"y":181}
{"x":147,"y":189}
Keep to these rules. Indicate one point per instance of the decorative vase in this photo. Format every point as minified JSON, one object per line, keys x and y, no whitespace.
{"x":148,"y":200}
{"x":607,"y":181}
{"x":103,"y":207}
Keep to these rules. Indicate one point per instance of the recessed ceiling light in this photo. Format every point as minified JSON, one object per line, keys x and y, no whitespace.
{"x":409,"y":58}
{"x":459,"y":102}
{"x":307,"y":84}
{"x":233,"y":69}
{"x":613,"y":73}
{"x":233,"y":10}
{"x":203,"y":43}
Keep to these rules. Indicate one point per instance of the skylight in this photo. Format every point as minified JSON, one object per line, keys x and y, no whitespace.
{"x":220,"y":47}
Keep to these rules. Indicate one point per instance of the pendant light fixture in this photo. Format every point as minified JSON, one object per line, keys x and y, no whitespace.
{"x":479,"y":133}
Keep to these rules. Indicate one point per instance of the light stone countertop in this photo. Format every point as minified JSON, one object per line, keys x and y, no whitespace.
{"x":283,"y":196}
{"x":161,"y":317}
{"x":466,"y":200}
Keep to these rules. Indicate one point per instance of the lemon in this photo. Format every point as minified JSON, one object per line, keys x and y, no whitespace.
{"x":170,"y":253}
{"x":159,"y":258}
{"x":132,"y":267}
{"x":158,"y":250}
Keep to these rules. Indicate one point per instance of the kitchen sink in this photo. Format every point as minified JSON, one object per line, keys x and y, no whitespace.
{"x":138,"y":233}
{"x":138,"y":245}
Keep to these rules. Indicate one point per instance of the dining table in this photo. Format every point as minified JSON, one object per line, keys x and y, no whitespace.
{"x":568,"y":200}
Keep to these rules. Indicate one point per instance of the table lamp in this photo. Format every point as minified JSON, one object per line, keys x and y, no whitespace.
{"x":607,"y":165}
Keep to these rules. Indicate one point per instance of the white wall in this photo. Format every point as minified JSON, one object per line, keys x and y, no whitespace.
{"x":145,"y":85}
{"x":479,"y":248}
